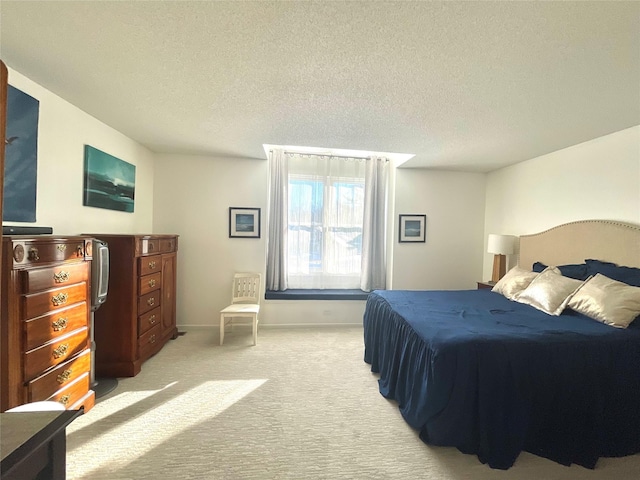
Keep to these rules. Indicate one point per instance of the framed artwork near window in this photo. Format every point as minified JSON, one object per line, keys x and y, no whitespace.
{"x":244,"y":222}
{"x":412,"y":228}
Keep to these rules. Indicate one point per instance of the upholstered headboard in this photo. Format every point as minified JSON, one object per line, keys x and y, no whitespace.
{"x":574,"y":242}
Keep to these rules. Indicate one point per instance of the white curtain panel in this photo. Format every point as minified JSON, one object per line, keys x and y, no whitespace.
{"x":374,"y":250}
{"x":277,"y":214}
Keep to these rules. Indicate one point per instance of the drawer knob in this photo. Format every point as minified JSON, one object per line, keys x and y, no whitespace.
{"x":61,"y":276}
{"x":64,"y":399}
{"x":152,"y":319}
{"x":64,"y":376}
{"x":151,"y":301}
{"x":152,"y":339}
{"x":33,"y":254}
{"x":60,"y":299}
{"x":59,"y":324}
{"x":18,"y":253}
{"x":152,"y":264}
{"x":60,"y":351}
{"x":61,"y":247}
{"x":152,"y":283}
{"x":80,"y":250}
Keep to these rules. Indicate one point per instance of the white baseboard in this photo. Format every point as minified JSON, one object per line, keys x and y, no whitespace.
{"x":193,"y":328}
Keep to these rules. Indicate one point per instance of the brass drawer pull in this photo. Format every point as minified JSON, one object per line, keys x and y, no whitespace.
{"x":80,"y":250}
{"x":60,"y":351}
{"x":33,"y":254}
{"x":64,"y":376}
{"x":152,"y":283}
{"x":61,"y":247}
{"x":152,"y":264}
{"x":152,"y":339}
{"x":151,"y":301}
{"x":61,"y":277}
{"x":59,"y":324}
{"x":60,"y":299}
{"x":152,"y":319}
{"x":65,"y":399}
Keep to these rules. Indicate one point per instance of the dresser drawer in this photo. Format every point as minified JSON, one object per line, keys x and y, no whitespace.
{"x":72,"y":393}
{"x":148,"y":246}
{"x":148,"y":283}
{"x":40,"y":359}
{"x":43,"y":252}
{"x":168,"y":245}
{"x":64,"y":374}
{"x":37,"y":304}
{"x":149,"y":301}
{"x":149,"y":341}
{"x":148,"y":320}
{"x":40,"y":330}
{"x":43,"y":278}
{"x":149,"y":265}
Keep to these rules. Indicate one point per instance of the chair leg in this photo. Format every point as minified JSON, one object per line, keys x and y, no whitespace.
{"x":221,"y":328}
{"x":255,"y":330}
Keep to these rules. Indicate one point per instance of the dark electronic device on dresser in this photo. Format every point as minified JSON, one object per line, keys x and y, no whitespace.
{"x":25,"y":230}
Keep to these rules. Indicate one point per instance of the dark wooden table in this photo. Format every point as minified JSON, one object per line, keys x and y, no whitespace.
{"x":34,"y":444}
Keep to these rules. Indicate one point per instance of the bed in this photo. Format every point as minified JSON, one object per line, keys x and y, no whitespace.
{"x":493,"y":377}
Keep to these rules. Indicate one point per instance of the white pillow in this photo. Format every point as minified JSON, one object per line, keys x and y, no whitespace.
{"x":514,"y":281}
{"x":549,"y":291}
{"x":608,"y":301}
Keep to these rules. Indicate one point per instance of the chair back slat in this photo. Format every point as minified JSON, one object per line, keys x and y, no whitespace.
{"x":246,"y":288}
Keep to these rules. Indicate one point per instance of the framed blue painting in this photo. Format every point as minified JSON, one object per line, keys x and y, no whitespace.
{"x":108,"y":181}
{"x":21,"y":157}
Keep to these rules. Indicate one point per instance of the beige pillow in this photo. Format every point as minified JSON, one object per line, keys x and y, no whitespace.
{"x":549,"y":291}
{"x":608,"y":301}
{"x":514,"y":281}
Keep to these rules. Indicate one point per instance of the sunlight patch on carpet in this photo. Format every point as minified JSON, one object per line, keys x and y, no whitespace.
{"x":160,"y":422}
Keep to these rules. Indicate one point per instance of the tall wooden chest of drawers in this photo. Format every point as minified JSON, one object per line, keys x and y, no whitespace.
{"x":139,"y":315}
{"x":45,"y":319}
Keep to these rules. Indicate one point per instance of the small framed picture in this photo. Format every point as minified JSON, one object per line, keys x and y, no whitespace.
{"x":412,"y":228}
{"x":244,"y":222}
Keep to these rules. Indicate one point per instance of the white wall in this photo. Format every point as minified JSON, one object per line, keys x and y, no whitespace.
{"x":451,"y":257}
{"x":192,"y":199}
{"x":63,"y":130}
{"x":598,"y":179}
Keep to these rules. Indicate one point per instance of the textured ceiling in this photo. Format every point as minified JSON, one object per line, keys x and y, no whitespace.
{"x":462,"y":85}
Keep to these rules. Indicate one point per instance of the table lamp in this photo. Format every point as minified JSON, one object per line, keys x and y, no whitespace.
{"x":500,"y":246}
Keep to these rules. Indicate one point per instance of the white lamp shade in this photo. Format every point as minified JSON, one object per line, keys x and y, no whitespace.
{"x":500,"y":244}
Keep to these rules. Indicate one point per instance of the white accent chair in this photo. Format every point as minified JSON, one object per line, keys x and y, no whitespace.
{"x":245,"y":303}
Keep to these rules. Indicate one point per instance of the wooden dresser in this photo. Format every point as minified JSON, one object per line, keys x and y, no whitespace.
{"x":139,"y":316}
{"x":45,"y":320}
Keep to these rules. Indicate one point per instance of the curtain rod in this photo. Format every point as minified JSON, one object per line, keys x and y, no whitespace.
{"x":286,"y":152}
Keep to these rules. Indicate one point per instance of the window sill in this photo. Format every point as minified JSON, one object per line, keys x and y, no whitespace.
{"x":295,"y":294}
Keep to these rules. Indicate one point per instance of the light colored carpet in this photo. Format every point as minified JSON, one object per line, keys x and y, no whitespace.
{"x":302,"y":404}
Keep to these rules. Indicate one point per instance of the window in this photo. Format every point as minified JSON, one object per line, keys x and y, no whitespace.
{"x":327,"y":219}
{"x":325,"y":216}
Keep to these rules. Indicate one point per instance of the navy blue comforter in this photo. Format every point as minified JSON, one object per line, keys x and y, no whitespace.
{"x":493,"y":377}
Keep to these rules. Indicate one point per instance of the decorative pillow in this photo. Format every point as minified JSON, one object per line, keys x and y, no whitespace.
{"x":550,"y":291}
{"x":514,"y":281}
{"x":628,"y":275}
{"x":577,"y":271}
{"x":608,"y":301}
